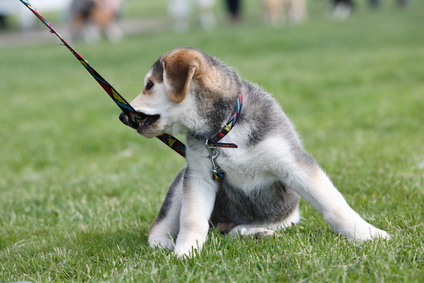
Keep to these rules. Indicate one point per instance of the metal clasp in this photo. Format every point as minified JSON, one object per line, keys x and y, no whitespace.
{"x":216,"y":172}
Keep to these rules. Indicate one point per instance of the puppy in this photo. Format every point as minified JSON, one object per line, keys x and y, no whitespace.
{"x":189,"y":92}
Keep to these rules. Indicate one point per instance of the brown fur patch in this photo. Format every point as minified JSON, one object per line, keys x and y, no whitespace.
{"x":186,"y":65}
{"x":180,"y":66}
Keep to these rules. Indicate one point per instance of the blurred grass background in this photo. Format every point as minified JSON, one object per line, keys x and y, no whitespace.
{"x":79,"y":190}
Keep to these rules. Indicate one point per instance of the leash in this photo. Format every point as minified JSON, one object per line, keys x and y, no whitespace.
{"x":134,"y":117}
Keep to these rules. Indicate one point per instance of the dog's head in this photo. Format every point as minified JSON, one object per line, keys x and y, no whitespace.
{"x":176,"y":87}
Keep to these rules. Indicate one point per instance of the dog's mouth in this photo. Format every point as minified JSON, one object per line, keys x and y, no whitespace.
{"x":145,"y":120}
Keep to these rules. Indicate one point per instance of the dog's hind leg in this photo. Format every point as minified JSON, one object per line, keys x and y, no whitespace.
{"x":300,"y":172}
{"x":317,"y":189}
{"x":258,"y":230}
{"x":166,"y":226}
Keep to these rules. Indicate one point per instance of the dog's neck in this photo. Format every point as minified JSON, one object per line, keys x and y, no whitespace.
{"x":215,"y":128}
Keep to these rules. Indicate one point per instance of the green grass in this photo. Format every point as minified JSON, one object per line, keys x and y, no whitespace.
{"x":78,"y":191}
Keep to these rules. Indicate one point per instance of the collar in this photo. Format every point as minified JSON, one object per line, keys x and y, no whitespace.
{"x":214,"y":142}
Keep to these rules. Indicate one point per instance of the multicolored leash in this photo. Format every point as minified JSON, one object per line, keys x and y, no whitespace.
{"x":133,"y":116}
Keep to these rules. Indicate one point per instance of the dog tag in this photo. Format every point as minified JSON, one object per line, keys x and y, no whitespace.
{"x":216,"y":172}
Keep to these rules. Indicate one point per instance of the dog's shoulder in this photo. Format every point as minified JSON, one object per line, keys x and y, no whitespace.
{"x":262,"y":116}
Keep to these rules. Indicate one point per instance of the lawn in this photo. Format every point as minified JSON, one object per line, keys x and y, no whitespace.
{"x":78,"y":190}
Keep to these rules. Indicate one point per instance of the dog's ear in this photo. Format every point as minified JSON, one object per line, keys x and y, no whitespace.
{"x":179,"y":68}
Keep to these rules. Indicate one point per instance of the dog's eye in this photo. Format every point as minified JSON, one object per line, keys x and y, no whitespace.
{"x":149,"y":85}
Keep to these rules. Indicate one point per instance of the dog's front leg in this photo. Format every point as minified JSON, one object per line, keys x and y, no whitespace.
{"x":199,"y":194}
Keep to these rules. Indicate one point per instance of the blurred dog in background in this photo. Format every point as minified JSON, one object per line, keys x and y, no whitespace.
{"x":180,"y":10}
{"x":342,"y":9}
{"x":280,"y":11}
{"x":89,"y":19}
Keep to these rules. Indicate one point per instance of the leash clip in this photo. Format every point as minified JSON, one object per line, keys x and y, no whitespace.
{"x":216,"y":172}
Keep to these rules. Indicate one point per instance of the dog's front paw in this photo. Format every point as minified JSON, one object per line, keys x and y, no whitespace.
{"x":188,"y":249}
{"x":164,"y":242}
{"x":186,"y":252}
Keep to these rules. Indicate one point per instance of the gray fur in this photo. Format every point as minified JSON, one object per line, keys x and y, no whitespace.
{"x":264,"y":205}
